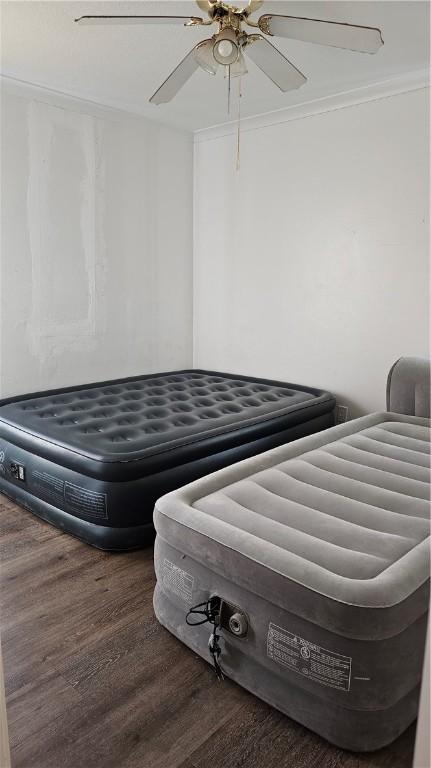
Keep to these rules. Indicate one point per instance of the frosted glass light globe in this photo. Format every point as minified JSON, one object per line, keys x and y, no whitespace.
{"x":225,"y":48}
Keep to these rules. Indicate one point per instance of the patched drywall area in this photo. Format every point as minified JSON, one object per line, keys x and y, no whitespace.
{"x":61,"y":219}
{"x":96,"y":251}
{"x":312,"y":262}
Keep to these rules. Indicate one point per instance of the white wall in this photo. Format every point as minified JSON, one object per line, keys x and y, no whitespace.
{"x":96,"y":250}
{"x":312,"y":263}
{"x":422,"y":758}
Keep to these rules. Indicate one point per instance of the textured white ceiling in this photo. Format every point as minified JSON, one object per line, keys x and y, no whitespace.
{"x":123,"y":66}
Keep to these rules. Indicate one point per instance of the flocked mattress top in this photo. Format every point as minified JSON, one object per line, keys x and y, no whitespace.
{"x":125,"y":419}
{"x":344,"y":512}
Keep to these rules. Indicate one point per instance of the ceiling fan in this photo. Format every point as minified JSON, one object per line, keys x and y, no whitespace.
{"x":227,"y":46}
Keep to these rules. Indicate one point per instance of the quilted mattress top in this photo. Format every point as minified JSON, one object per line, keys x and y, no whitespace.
{"x":344,"y":512}
{"x":125,"y":419}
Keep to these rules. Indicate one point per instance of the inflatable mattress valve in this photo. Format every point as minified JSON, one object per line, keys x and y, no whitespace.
{"x":233,"y":619}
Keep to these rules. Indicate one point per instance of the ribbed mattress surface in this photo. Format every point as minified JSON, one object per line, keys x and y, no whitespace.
{"x":349,"y":519}
{"x":123,"y":419}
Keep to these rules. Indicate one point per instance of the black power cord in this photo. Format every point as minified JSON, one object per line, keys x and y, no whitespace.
{"x":210,"y":611}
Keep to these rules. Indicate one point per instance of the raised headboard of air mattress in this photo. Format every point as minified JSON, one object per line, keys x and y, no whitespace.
{"x":408,"y":387}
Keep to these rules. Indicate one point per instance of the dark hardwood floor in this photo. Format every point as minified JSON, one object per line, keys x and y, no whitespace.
{"x":93,"y":681}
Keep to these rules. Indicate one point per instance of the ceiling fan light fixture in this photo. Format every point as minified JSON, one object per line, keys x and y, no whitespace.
{"x":204,"y":56}
{"x":239,"y":67}
{"x":226,"y":48}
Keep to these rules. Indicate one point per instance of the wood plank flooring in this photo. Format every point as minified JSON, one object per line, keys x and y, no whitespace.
{"x":93,"y":681}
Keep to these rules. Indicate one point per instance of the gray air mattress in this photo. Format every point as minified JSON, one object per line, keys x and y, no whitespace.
{"x":94,"y":459}
{"x":323,"y":546}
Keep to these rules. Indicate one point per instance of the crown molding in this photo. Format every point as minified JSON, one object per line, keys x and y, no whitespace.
{"x":75,"y":103}
{"x":384,"y":89}
{"x":412,"y":81}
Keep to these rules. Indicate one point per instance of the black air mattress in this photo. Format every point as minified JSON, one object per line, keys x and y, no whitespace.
{"x":93,"y":459}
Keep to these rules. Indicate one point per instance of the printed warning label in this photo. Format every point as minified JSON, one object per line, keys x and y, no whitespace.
{"x":178,"y":581}
{"x":47,"y":486}
{"x":308,"y":659}
{"x":84,"y":501}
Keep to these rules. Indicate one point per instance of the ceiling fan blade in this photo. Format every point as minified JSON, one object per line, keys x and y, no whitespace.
{"x":333,"y":33}
{"x":185,"y":20}
{"x":183,"y":72}
{"x":272,"y":62}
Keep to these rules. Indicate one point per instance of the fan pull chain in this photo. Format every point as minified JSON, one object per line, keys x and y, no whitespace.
{"x":228,"y":91}
{"x":238,"y":137}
